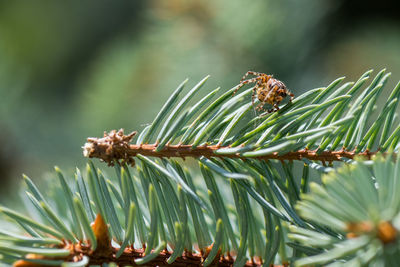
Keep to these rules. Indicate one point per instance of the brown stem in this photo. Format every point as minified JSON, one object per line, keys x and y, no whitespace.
{"x":130,"y":255}
{"x":105,"y":253}
{"x":115,"y":147}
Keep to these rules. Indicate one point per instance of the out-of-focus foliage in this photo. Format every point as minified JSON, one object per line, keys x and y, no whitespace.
{"x":72,"y":69}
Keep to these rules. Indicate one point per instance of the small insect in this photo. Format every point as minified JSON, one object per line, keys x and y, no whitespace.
{"x":267,"y":89}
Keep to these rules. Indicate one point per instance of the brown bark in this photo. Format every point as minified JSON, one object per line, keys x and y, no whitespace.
{"x":105,"y":253}
{"x":114,"y":146}
{"x":103,"y":152}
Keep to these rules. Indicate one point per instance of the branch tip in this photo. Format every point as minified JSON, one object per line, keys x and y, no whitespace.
{"x":112,"y":146}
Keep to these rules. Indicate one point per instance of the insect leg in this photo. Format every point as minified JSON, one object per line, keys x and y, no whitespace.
{"x":239,"y":86}
{"x":291,"y":96}
{"x":243,"y":83}
{"x":250,"y":73}
{"x":260,"y":107}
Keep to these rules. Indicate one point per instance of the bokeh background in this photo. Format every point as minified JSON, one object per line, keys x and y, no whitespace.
{"x":72,"y":69}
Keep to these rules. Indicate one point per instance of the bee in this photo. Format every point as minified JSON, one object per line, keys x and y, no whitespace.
{"x":267,"y":89}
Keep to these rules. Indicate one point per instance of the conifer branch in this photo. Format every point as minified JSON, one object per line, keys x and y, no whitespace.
{"x":111,"y":152}
{"x":234,"y":208}
{"x":129,"y":256}
{"x":324,"y":124}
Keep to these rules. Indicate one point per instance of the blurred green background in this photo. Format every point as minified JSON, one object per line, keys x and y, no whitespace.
{"x":72,"y":69}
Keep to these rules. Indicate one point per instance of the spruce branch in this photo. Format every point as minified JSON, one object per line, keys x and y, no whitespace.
{"x":53,"y":242}
{"x":324,"y":124}
{"x":368,"y":227}
{"x":110,"y":153}
{"x":235,"y":207}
